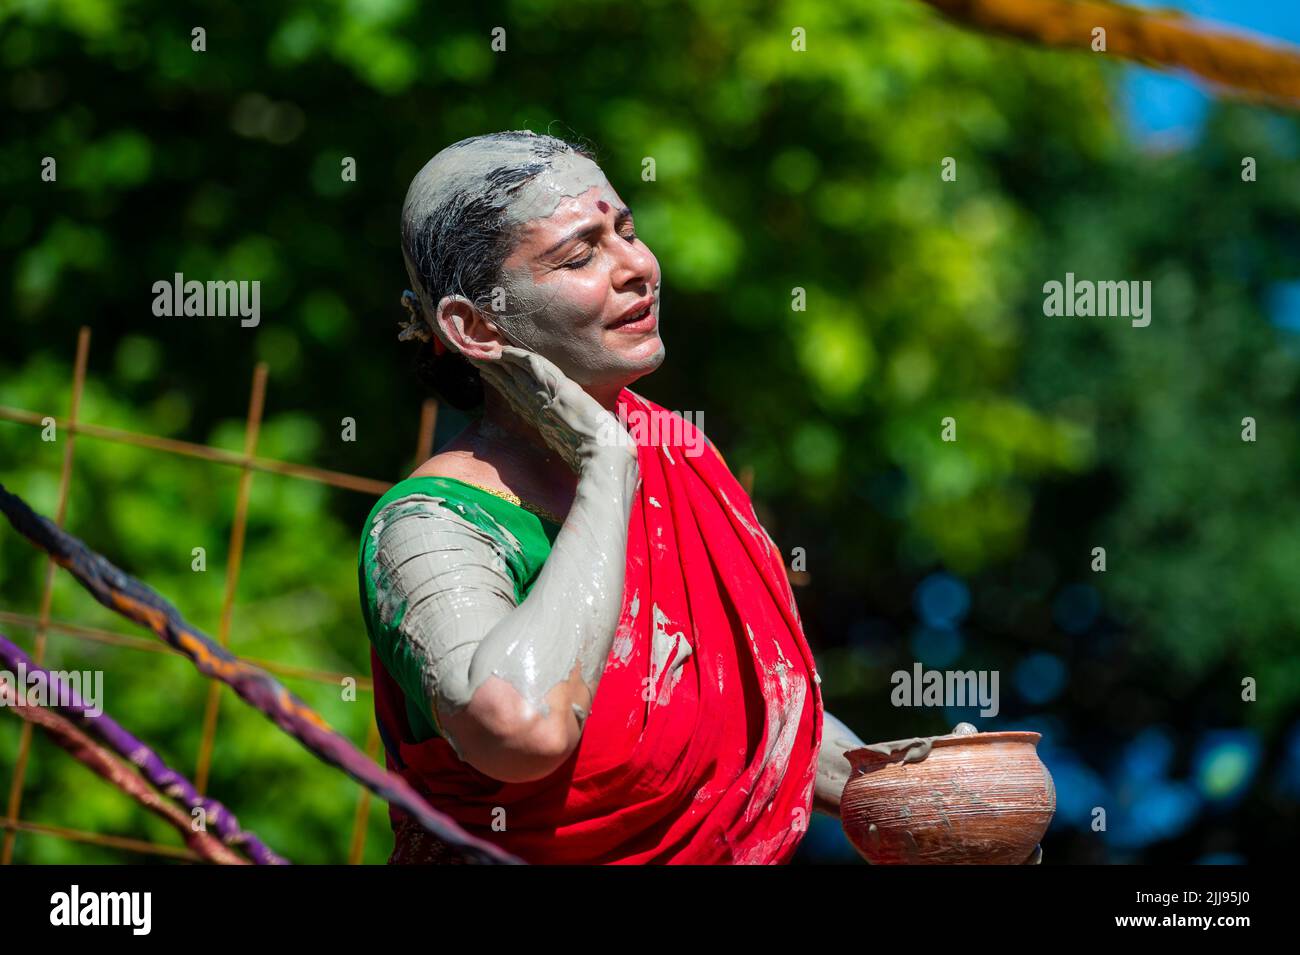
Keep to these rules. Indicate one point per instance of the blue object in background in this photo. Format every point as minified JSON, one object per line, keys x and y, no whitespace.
{"x":1076,"y":607}
{"x":1040,"y":677}
{"x":1079,"y":789}
{"x":936,"y":647}
{"x":1148,"y":758}
{"x":1284,"y":306}
{"x":1288,"y":779}
{"x":1156,"y":812}
{"x":825,"y":842}
{"x":942,"y":601}
{"x":1224,"y":764}
{"x":1170,"y":107}
{"x":1163,"y":107}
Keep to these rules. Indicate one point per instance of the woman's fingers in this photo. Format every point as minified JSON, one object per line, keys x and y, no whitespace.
{"x":571,"y":421}
{"x":522,"y":375}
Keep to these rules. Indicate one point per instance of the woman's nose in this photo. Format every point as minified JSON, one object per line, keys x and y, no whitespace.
{"x":635,"y":264}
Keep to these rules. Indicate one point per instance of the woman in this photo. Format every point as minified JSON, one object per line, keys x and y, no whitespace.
{"x":585,"y":648}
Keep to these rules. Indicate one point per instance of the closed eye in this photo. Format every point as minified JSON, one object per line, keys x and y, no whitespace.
{"x":623,"y":223}
{"x":579,"y":263}
{"x":628,"y":234}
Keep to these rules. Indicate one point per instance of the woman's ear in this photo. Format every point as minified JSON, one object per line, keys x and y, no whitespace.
{"x":468,"y":331}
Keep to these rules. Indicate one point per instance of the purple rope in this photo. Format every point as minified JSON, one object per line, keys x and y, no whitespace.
{"x":163,"y":778}
{"x":136,"y":601}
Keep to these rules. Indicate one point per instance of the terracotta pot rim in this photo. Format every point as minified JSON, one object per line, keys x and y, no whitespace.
{"x":999,"y":736}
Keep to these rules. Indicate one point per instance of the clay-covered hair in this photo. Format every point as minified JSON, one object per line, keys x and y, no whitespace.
{"x":456,"y":235}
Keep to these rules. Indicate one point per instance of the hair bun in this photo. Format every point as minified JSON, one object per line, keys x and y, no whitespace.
{"x":414,"y":325}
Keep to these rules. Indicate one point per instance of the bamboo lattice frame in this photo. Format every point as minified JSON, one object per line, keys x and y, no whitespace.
{"x":42,"y":624}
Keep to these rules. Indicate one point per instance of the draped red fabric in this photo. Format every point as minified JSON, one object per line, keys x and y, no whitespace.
{"x":702,"y":742}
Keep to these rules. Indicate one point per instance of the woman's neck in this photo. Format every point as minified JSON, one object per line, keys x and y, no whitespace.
{"x":512,"y":454}
{"x":511,"y":443}
{"x":503,"y":428}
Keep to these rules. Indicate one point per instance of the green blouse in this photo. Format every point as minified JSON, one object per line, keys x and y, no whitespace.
{"x":486,"y":510}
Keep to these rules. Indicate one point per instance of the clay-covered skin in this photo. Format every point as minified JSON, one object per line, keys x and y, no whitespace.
{"x":554,"y":300}
{"x":465,"y":171}
{"x":917,"y":748}
{"x":833,"y":767}
{"x":493,"y":670}
{"x":576,"y":270}
{"x":577,"y":263}
{"x":511,"y":685}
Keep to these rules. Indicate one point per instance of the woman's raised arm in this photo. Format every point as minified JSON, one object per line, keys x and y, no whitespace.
{"x":510,"y":686}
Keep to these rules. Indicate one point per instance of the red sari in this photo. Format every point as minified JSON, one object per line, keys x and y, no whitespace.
{"x":702,"y":742}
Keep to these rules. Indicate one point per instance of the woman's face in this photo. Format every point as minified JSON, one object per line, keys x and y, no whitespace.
{"x":582,"y":290}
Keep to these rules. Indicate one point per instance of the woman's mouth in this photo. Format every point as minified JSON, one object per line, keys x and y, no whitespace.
{"x":642,"y":319}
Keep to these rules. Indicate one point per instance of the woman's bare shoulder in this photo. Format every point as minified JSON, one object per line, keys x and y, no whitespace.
{"x":500,"y":475}
{"x":462,"y":467}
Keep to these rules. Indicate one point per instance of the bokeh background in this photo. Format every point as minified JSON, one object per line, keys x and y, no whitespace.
{"x":775,"y":169}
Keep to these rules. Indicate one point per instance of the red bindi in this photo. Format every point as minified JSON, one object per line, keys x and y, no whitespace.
{"x":602,"y":205}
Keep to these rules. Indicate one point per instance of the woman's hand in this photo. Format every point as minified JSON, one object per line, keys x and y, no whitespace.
{"x":569,"y":419}
{"x":512,"y":684}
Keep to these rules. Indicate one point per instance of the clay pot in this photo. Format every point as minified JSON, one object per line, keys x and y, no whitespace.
{"x":981,"y":799}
